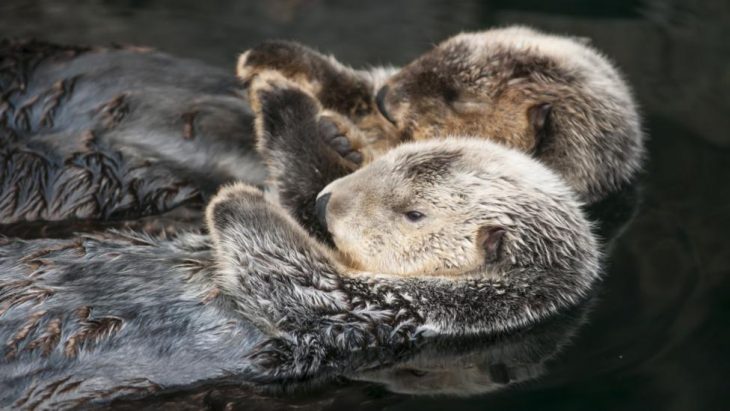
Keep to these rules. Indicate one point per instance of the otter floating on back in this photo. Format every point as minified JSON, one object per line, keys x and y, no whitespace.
{"x":550,"y":96}
{"x":125,"y":314}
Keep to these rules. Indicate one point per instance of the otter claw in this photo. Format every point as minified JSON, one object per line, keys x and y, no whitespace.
{"x":343,"y":147}
{"x":341,"y":144}
{"x":334,"y":137}
{"x":355,"y":157}
{"x":328,"y":129}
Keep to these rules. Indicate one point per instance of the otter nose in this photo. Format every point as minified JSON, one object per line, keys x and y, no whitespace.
{"x":320,"y":208}
{"x":380,"y":102}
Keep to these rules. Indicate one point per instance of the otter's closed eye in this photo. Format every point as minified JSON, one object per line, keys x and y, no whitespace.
{"x":414,"y":216}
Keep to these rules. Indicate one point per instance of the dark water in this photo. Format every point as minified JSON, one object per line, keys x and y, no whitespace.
{"x":658,"y":334}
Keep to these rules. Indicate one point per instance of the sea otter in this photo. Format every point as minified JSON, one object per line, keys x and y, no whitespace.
{"x":552,"y":96}
{"x":99,"y":316}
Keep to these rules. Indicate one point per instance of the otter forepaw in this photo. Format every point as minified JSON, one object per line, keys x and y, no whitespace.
{"x":270,"y":55}
{"x":233,"y":205}
{"x":270,"y":85}
{"x":268,"y":358}
{"x":336,"y":134}
{"x":280,"y":359}
{"x":285,"y":114}
{"x":238,"y":190}
{"x":287,"y":58}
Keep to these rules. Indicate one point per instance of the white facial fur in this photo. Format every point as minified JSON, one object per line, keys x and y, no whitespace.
{"x":460,"y":186}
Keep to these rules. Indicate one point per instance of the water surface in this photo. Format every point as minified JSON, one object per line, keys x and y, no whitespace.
{"x":657,"y":335}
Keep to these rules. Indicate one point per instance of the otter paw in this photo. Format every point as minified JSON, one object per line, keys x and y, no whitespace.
{"x":286,"y":104}
{"x":287,"y":58}
{"x":269,"y":55}
{"x":238,"y":190}
{"x":269,"y":357}
{"x":235,"y":202}
{"x":280,"y":359}
{"x":334,"y":134}
{"x":268,"y":83}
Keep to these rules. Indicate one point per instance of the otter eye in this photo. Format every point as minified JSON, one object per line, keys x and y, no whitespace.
{"x":414,"y":216}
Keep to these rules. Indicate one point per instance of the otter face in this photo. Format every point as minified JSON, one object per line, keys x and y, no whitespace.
{"x":469,"y":85}
{"x":442,"y":207}
{"x":549,"y":96}
{"x":405,"y":214}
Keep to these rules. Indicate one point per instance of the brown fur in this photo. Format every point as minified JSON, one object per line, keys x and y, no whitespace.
{"x":418,"y":116}
{"x":339,"y":89}
{"x":445,"y":93}
{"x":92,"y":330}
{"x":49,"y":339}
{"x":11,"y":347}
{"x":549,"y":96}
{"x":465,"y":190}
{"x":19,"y":292}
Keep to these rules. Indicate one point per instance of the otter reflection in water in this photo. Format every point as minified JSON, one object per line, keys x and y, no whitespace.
{"x":472,"y":366}
{"x":95,"y":317}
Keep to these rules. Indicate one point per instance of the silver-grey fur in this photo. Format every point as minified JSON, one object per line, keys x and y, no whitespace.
{"x":550,"y":259}
{"x":88,"y":319}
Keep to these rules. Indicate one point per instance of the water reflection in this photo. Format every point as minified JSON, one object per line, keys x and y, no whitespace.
{"x":478,"y":366}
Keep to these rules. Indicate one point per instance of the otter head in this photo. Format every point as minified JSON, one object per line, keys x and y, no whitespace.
{"x":449,"y":207}
{"x":550,"y":96}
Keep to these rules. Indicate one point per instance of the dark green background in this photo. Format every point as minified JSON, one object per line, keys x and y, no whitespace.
{"x":659,"y":336}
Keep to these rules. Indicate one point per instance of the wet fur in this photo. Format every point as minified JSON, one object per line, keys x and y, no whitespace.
{"x":88,"y":319}
{"x":104,"y":134}
{"x":79,"y":151}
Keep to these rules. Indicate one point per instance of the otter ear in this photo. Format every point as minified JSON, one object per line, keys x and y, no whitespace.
{"x":539,"y":115}
{"x":490,"y":239}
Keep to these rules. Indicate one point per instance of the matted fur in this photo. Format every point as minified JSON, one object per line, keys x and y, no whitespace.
{"x":103,"y":134}
{"x":95,"y":317}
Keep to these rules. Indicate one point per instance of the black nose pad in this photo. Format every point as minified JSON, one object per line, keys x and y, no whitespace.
{"x":380,"y":102}
{"x":320,"y":208}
